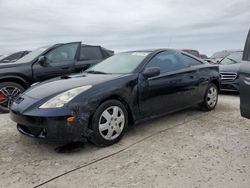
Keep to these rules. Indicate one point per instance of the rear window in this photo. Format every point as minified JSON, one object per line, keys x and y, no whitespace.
{"x":193,"y":52}
{"x":191,"y":61}
{"x":90,"y":53}
{"x":246,"y":54}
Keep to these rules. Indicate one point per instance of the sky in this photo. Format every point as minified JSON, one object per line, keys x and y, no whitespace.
{"x":121,"y":25}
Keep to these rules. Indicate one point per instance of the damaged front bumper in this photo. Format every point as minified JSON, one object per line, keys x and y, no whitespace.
{"x":52,"y":128}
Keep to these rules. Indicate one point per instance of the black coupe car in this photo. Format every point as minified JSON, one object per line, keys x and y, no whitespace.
{"x":124,"y":89}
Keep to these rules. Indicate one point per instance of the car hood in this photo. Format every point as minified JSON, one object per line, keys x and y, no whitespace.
{"x":64,"y":83}
{"x":9,"y":65}
{"x":229,"y":68}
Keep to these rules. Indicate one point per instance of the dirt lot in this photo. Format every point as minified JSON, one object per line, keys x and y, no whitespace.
{"x":186,"y":149}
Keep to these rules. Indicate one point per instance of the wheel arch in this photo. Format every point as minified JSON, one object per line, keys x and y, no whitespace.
{"x":16,"y":79}
{"x":217,"y":83}
{"x":124,"y":102}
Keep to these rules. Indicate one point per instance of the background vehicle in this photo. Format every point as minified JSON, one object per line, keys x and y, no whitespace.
{"x":229,"y":71}
{"x":218,"y":56}
{"x":245,"y":80}
{"x":14,"y":57}
{"x":193,"y":52}
{"x":3,"y":56}
{"x":45,"y":63}
{"x":125,"y":88}
{"x":204,"y":56}
{"x":210,"y":61}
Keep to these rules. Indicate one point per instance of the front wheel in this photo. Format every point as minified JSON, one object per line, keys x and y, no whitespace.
{"x":210,"y":98}
{"x":109,"y":123}
{"x":8,"y":92}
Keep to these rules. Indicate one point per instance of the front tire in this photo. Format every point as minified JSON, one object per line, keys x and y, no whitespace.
{"x":109,"y":123}
{"x":210,"y":98}
{"x":8,"y":91}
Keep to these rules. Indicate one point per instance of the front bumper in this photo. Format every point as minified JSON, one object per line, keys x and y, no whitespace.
{"x":230,"y":85}
{"x":55,"y":129}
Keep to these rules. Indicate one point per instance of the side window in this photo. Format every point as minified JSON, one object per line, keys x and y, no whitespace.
{"x":246,"y":54}
{"x":191,"y":61}
{"x":167,"y":61}
{"x":90,"y":53}
{"x":66,"y":52}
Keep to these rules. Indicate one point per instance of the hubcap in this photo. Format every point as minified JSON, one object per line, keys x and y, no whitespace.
{"x":111,"y":123}
{"x":7,"y":94}
{"x":212,"y":96}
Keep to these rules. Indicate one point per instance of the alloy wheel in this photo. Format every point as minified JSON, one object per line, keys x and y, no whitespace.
{"x":7,"y":95}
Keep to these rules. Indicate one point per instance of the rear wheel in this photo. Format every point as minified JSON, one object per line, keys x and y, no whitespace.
{"x":8,"y":92}
{"x":109,"y":123}
{"x":210,"y":98}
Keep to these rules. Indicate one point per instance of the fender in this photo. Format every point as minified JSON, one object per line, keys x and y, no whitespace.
{"x":20,"y":79}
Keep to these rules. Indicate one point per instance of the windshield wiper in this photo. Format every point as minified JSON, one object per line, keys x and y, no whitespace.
{"x":95,"y":72}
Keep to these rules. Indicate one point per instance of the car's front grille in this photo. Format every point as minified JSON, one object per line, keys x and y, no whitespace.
{"x":228,"y":76}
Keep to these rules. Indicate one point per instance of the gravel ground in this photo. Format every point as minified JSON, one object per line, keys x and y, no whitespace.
{"x":186,"y":149}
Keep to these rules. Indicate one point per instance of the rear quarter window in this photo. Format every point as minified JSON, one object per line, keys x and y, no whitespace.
{"x":191,"y":61}
{"x":91,"y":53}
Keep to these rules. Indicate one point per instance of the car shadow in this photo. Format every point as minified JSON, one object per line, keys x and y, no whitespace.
{"x":233,"y":93}
{"x":78,"y":147}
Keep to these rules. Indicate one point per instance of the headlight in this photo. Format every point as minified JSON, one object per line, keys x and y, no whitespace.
{"x":63,"y":98}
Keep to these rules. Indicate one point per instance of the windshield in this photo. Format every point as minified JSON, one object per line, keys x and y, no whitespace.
{"x":121,"y":63}
{"x":220,"y":54}
{"x":232,"y":58}
{"x":32,"y":55}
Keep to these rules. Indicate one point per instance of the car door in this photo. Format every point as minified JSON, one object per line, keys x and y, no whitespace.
{"x":173,"y":89}
{"x":200,"y":81}
{"x":89,"y":56}
{"x":244,"y":80}
{"x":58,"y":61}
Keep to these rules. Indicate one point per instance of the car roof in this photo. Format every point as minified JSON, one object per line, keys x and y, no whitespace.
{"x":152,"y":50}
{"x":189,"y":49}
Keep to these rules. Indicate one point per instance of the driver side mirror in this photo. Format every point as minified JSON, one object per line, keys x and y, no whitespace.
{"x":41,"y":60}
{"x":151,"y":72}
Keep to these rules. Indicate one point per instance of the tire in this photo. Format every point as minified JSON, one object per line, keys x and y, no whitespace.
{"x":10,"y":90}
{"x":210,"y":98}
{"x":108,"y":128}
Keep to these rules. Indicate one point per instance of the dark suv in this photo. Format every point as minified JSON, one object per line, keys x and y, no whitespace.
{"x":45,"y":63}
{"x":14,"y":57}
{"x":244,"y":80}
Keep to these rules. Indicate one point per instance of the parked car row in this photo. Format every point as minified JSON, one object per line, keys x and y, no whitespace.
{"x":67,"y":92}
{"x":229,"y":62}
{"x":45,"y":63}
{"x":101,"y":102}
